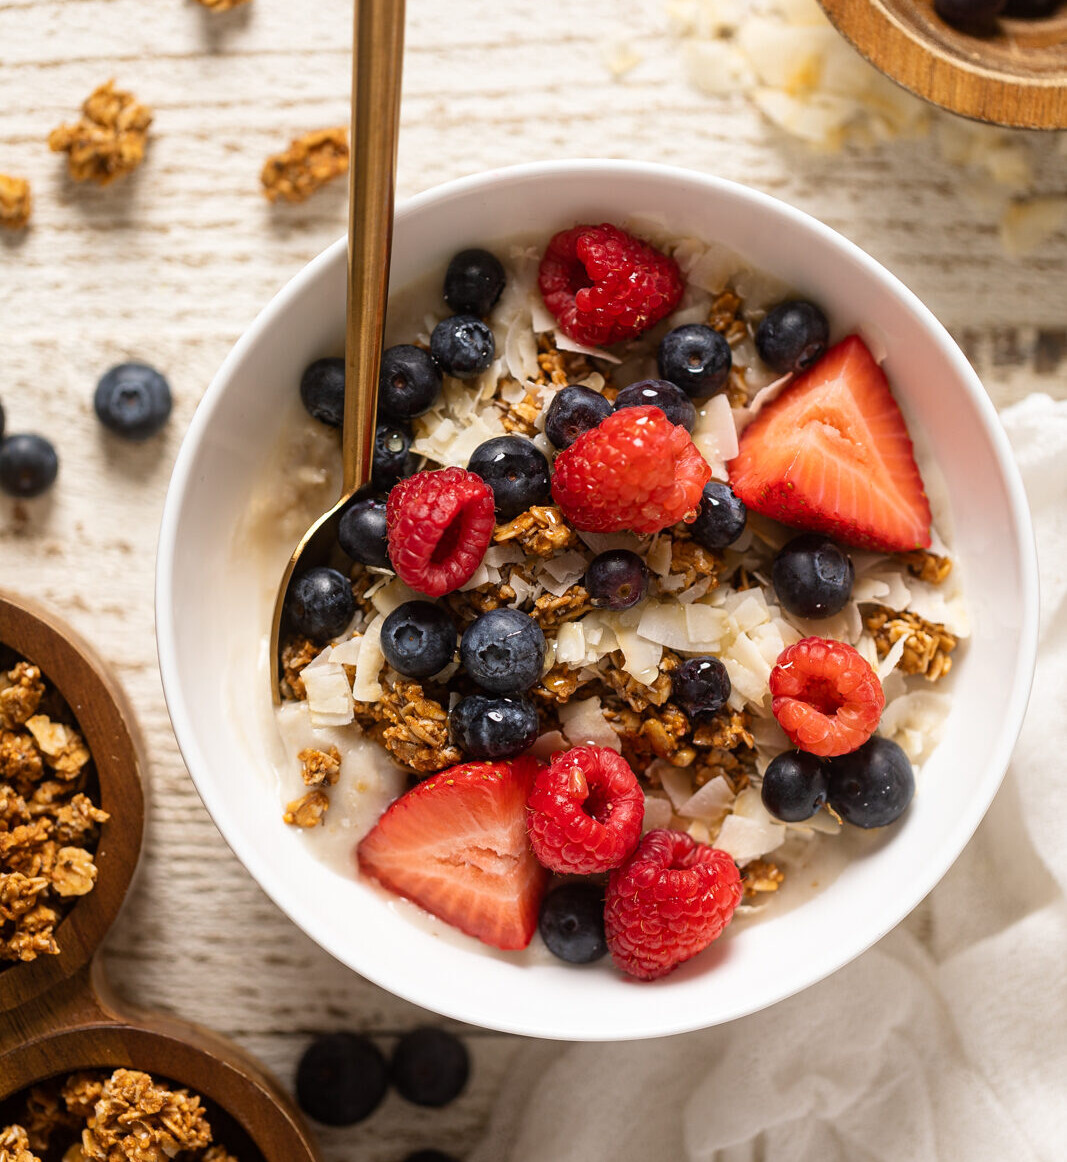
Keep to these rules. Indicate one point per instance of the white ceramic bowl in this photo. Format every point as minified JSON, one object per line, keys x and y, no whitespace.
{"x":208,"y":640}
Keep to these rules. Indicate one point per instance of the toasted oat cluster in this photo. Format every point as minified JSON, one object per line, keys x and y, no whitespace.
{"x":48,"y":823}
{"x":108,"y":141}
{"x":222,"y":5}
{"x":16,"y":203}
{"x":128,"y":1116}
{"x":306,"y":166}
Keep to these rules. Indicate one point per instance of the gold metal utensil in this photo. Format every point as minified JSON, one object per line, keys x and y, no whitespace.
{"x":377,"y":56}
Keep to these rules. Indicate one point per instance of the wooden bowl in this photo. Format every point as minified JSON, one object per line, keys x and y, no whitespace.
{"x":57,"y":1013}
{"x":1016,"y":77}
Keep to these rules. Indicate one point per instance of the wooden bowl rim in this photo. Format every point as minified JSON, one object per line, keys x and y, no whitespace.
{"x":107,"y":723}
{"x":970,"y":88}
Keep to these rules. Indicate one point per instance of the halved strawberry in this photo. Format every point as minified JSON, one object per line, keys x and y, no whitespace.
{"x":832,"y":454}
{"x":456,"y":845}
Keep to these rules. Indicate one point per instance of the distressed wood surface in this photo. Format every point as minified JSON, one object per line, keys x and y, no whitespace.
{"x":172,"y":264}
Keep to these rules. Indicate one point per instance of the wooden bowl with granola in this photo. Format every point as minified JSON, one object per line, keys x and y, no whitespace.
{"x":80,"y":1073}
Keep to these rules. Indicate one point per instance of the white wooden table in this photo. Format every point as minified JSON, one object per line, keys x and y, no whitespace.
{"x":172,"y":264}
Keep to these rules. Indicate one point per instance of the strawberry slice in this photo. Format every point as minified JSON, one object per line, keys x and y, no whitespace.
{"x":456,"y":845}
{"x":832,"y":454}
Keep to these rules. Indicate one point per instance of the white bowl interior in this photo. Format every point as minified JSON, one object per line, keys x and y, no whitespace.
{"x":209,"y":632}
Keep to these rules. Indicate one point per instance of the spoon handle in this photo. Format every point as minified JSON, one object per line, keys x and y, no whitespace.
{"x":377,"y":58}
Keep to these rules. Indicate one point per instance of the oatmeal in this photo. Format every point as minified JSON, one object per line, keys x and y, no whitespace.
{"x":49,"y":823}
{"x":635,"y":560}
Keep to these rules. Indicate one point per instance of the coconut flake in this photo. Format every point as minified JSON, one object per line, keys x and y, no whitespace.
{"x":889,"y":663}
{"x":711,"y":800}
{"x":748,"y":839}
{"x":676,"y":781}
{"x":393,"y":595}
{"x":548,"y":744}
{"x":603,"y":542}
{"x":329,"y":696}
{"x":570,"y":643}
{"x":564,"y":571}
{"x":371,"y":660}
{"x":584,"y":724}
{"x":715,"y":435}
{"x":641,"y":656}
{"x":658,"y":813}
{"x":346,"y":653}
{"x":565,"y":344}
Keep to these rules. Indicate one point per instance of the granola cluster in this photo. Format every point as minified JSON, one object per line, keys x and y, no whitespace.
{"x":125,"y":1117}
{"x":108,"y":141}
{"x":15,"y":202}
{"x":48,"y":823}
{"x":306,"y":166}
{"x":927,"y":644}
{"x":222,"y":5}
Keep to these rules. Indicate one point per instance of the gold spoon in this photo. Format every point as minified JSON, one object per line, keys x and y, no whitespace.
{"x":377,"y":57}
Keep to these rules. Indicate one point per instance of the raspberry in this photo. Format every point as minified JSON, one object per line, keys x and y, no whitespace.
{"x":439,"y":526}
{"x":635,"y":470}
{"x":668,"y":902}
{"x":585,"y":811}
{"x":604,"y":285}
{"x":825,"y":696}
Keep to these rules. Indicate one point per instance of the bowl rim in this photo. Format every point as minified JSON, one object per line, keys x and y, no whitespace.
{"x":269,"y":876}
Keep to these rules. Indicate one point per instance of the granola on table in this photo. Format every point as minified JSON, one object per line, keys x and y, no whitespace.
{"x":307,"y":165}
{"x":127,"y":1116}
{"x":16,"y":203}
{"x":49,"y":823}
{"x":108,"y":141}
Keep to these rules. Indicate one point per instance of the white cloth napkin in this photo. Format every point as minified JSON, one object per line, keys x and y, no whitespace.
{"x":946,"y":1041}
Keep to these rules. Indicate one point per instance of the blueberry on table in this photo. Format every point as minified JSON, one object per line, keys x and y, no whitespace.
{"x":795,"y":785}
{"x":322,"y":391}
{"x":28,"y":465}
{"x":572,"y":922}
{"x":503,"y":651}
{"x":429,"y":1066}
{"x":872,"y":786}
{"x":975,"y":16}
{"x":321,"y":603}
{"x":574,"y":410}
{"x":517,"y":472}
{"x":721,"y":519}
{"x":616,"y":579}
{"x":659,"y":393}
{"x":418,"y":639}
{"x":697,"y":359}
{"x":341,"y":1079}
{"x":408,"y":383}
{"x":362,"y":533}
{"x":393,"y":458}
{"x":132,"y":400}
{"x":473,"y":282}
{"x":701,"y":685}
{"x":463,"y":346}
{"x":429,"y":1156}
{"x":493,"y":728}
{"x":792,"y":336}
{"x":812,"y":576}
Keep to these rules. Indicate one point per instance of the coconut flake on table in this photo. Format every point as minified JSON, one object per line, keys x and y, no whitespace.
{"x":583,"y":724}
{"x":367,"y":688}
{"x":715,"y":435}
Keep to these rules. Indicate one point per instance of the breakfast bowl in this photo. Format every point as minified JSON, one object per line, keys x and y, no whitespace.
{"x":223,"y":547}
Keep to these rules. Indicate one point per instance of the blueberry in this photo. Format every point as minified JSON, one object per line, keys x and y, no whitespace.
{"x":573,"y":411}
{"x":473,"y":282}
{"x":503,"y":651}
{"x":872,"y":786}
{"x":812,"y":576}
{"x":977,"y":16}
{"x":430,"y":1067}
{"x":341,"y":1079}
{"x":463,"y":346}
{"x":517,"y":472}
{"x":132,"y":400}
{"x":792,"y":336}
{"x":418,"y":639}
{"x":701,"y":686}
{"x":429,"y":1156}
{"x":572,"y":922}
{"x":696,"y":358}
{"x":1031,"y":9}
{"x":795,"y":785}
{"x":668,"y":397}
{"x":616,"y":579}
{"x":321,"y":603}
{"x":322,"y":391}
{"x":28,"y":465}
{"x":408,"y":383}
{"x":721,"y":519}
{"x":393,"y":457}
{"x":361,"y":533}
{"x":493,"y":728}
